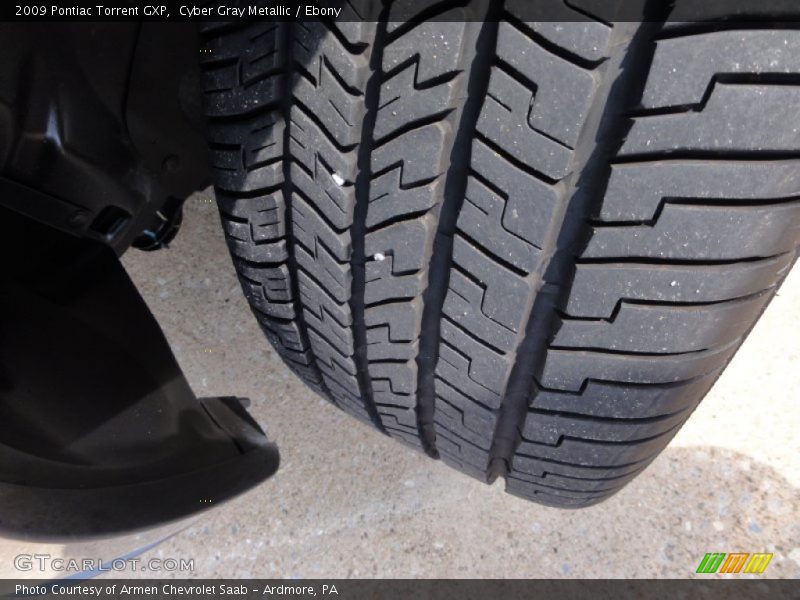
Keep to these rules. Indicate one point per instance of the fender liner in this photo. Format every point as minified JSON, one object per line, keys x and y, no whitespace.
{"x":100,"y":432}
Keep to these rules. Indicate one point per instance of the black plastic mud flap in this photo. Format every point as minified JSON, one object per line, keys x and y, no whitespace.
{"x":100,"y":432}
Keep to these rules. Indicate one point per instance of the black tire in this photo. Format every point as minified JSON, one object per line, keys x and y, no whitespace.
{"x":526,"y":249}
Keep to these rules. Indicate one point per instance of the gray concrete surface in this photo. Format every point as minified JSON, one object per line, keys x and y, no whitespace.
{"x":348,"y":502}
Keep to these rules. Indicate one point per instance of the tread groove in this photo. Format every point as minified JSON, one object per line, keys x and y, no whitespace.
{"x":359,"y":230}
{"x":441,"y":257}
{"x":286,"y":190}
{"x":557,"y":274}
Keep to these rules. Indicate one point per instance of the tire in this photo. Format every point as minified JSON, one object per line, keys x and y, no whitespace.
{"x":528,"y":249}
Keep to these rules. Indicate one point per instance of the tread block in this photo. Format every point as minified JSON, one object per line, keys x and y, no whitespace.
{"x":335,"y":366}
{"x":616,"y":401}
{"x":512,"y":220}
{"x":697,"y":232}
{"x":550,"y":429}
{"x":255,"y":44}
{"x":311,"y":146}
{"x":403,"y":101}
{"x":565,"y":27}
{"x":598,"y":288}
{"x":637,"y":191}
{"x":429,"y":80}
{"x":559,"y":84}
{"x":241,"y":246}
{"x":462,"y":454}
{"x":317,"y":300}
{"x":328,"y":190}
{"x":402,"y":318}
{"x":481,"y":202}
{"x":568,"y":369}
{"x":405,"y":242}
{"x":331,"y":320}
{"x":727,"y":123}
{"x":437,"y":45}
{"x":322,"y":251}
{"x":392,"y":330}
{"x":421,"y":153}
{"x":289,"y":336}
{"x":554,"y":496}
{"x":593,"y":453}
{"x":485,"y":298}
{"x":273,"y":280}
{"x":471,"y":366}
{"x":457,"y":412}
{"x":399,"y":379}
{"x":685,"y":67}
{"x":247,"y":156}
{"x":243,"y":101}
{"x":263,"y":214}
{"x":390,"y":199}
{"x":534,"y":470}
{"x":503,"y":121}
{"x":664,"y":328}
{"x":391,"y":286}
{"x":257,"y":297}
{"x":330,"y":80}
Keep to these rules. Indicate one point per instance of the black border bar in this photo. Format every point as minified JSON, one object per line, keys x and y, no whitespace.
{"x":711,"y":588}
{"x":607,"y":11}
